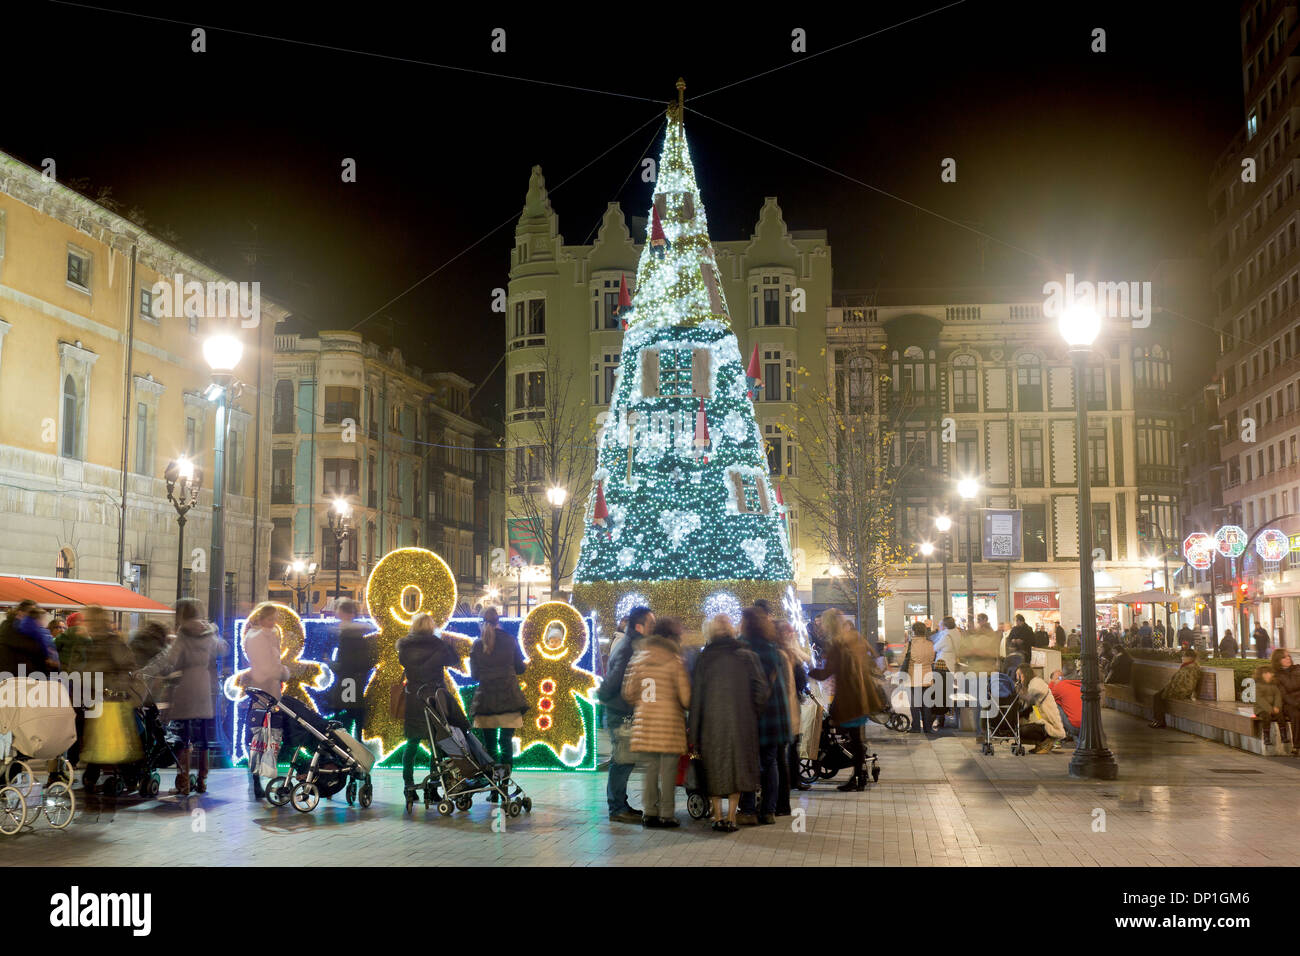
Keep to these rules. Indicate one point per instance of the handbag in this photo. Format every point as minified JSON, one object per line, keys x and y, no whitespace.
{"x":622,"y":734}
{"x":397,"y":701}
{"x":683,"y":765}
{"x":264,"y":750}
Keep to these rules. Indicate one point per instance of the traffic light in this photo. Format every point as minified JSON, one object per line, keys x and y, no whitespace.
{"x":1240,"y":592}
{"x":1143,"y":527}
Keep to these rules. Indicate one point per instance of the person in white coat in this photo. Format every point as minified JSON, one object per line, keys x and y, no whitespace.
{"x":1040,"y":721}
{"x":266,"y":672}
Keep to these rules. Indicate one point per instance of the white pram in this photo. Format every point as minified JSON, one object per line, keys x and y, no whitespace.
{"x":37,"y":722}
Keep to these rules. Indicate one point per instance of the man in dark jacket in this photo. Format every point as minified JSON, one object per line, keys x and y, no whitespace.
{"x":1228,"y":646}
{"x":355,"y":658}
{"x":1021,"y":633}
{"x":640,"y":622}
{"x":1261,"y":642}
{"x":1121,"y":668}
{"x":424,"y":656}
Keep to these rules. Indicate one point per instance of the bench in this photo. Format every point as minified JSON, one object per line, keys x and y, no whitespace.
{"x":1211,"y":715}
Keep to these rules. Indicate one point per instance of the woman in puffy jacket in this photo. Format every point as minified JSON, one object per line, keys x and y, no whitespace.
{"x":657,"y":687}
{"x":1287,"y":676}
{"x":499,"y":706}
{"x":266,"y":672}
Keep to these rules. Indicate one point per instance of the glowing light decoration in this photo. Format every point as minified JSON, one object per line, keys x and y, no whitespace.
{"x":554,"y":637}
{"x":1272,"y":545}
{"x":628,"y":601}
{"x":794,"y":614}
{"x":1231,"y":541}
{"x":722,"y":602}
{"x":1198,"y":549}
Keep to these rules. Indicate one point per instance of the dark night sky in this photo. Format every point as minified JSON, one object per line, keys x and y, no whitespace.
{"x":1085,"y":160}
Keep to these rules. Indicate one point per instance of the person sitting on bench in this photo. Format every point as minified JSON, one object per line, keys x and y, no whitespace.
{"x":1182,"y":686}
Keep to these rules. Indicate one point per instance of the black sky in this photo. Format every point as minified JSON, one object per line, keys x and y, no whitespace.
{"x":1080,"y":160}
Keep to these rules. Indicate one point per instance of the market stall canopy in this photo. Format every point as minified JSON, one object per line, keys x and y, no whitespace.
{"x":1145,"y":597}
{"x":62,"y":593}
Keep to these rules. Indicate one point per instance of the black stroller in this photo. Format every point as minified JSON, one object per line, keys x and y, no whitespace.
{"x":326,"y":758}
{"x":1002,"y":723}
{"x":459,"y":763}
{"x":833,"y":755}
{"x":159,"y":752}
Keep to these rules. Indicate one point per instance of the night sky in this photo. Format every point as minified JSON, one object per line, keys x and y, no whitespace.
{"x":1067,"y":159}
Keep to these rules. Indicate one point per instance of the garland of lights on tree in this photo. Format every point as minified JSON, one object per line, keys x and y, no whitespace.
{"x":682,"y":514}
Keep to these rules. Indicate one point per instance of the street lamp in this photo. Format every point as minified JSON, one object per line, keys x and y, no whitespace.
{"x":968,"y":488}
{"x":300,"y":570}
{"x":183,"y":483}
{"x":943,"y":524}
{"x":339,"y":515}
{"x":556,"y":495}
{"x":222,"y":352}
{"x":927,"y":549}
{"x":1080,"y":326}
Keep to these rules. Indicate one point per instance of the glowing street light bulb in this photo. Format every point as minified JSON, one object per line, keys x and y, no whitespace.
{"x":943,"y":523}
{"x":927,"y":548}
{"x":968,"y":488}
{"x":222,"y":352}
{"x":556,"y":496}
{"x":1079,"y":325}
{"x":341,"y":507}
{"x":185,"y":468}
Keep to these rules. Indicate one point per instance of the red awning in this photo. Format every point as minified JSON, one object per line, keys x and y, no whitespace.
{"x":71,"y":593}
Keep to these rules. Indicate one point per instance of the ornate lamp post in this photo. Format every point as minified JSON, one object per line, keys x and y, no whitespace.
{"x":968,"y":488}
{"x":183,"y":483}
{"x":943,"y":524}
{"x":927,"y":549}
{"x":556,"y":495}
{"x":300,"y":571}
{"x":222,"y":353}
{"x":339,"y":515}
{"x":1079,"y":326}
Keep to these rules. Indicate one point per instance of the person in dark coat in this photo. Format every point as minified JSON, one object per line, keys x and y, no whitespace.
{"x":1041,"y":637}
{"x":194,"y":653}
{"x":618,"y":713}
{"x":1120,"y":670}
{"x":758,"y":634}
{"x":496,"y":662}
{"x":728,"y":692}
{"x":1060,"y":636}
{"x":1260,"y":636}
{"x":1228,"y":645}
{"x":1287,"y":677}
{"x":25,"y":642}
{"x":356,"y":658}
{"x":857,"y":688}
{"x":1021,"y":634}
{"x":424,"y":656}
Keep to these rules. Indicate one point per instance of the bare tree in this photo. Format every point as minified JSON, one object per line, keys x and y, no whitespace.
{"x":559,"y":451}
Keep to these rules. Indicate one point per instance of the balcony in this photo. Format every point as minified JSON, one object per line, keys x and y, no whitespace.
{"x":1157,"y":475}
{"x":282,"y":494}
{"x":1154,"y":399}
{"x":1031,"y":477}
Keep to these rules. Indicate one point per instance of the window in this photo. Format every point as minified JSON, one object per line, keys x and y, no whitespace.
{"x":1098,"y":465}
{"x":282,"y":416}
{"x":965,"y":393}
{"x":141,"y":438}
{"x":1155,"y":449}
{"x":341,"y":403}
{"x":771,"y":306}
{"x":1031,"y":457}
{"x":71,"y":425}
{"x":675,"y":371}
{"x":65,"y":564}
{"x":1160,"y":513}
{"x":1101,"y":529}
{"x":191,"y":435}
{"x":916,"y":447}
{"x":1094,"y":387}
{"x":602,"y":378}
{"x":1029,"y":383}
{"x":281,"y":545}
{"x":536,"y":316}
{"x":1034,"y":532}
{"x":853,"y":382}
{"x":341,"y":476}
{"x":967,"y":453}
{"x":530,"y":323}
{"x":282,"y":476}
{"x":780,"y":452}
{"x":530,"y":389}
{"x":528,"y":467}
{"x":79,"y":269}
{"x":330,"y":551}
{"x":146,"y":305}
{"x":1151,"y":368}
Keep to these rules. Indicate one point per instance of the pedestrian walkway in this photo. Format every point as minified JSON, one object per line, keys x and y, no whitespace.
{"x":1180,"y":801}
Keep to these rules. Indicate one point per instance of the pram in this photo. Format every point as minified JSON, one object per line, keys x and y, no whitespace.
{"x":37,"y":722}
{"x":459,"y":763}
{"x":326,"y":758}
{"x":1004,"y":724}
{"x":832,"y":754}
{"x":159,"y":752}
{"x":897,"y":715}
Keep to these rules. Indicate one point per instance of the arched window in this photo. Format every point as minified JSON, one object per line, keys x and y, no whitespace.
{"x":854,"y":382}
{"x":912,"y":371}
{"x":1029,"y":383}
{"x":965,"y":384}
{"x":64,"y":563}
{"x":1151,"y":368}
{"x":71,"y":428}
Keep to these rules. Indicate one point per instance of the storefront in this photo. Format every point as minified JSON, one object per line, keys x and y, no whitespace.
{"x":986,"y":602}
{"x":1042,"y":609}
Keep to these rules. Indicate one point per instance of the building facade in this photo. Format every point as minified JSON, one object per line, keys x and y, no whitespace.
{"x":98,"y":393}
{"x":977,"y":383}
{"x":561,"y":319}
{"x":355,"y":421}
{"x":1253,"y":241}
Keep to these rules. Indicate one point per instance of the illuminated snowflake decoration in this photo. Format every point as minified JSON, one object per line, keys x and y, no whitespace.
{"x":722,"y":602}
{"x":678,"y":525}
{"x":628,"y":601}
{"x":625,"y":557}
{"x":756,"y":550}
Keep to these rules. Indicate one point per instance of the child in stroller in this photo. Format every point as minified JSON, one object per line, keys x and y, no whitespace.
{"x":830,"y":754}
{"x":1002,"y":722}
{"x":326,"y":758}
{"x":460,"y":764}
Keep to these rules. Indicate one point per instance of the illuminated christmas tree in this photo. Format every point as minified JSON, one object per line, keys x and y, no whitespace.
{"x":681,"y":513}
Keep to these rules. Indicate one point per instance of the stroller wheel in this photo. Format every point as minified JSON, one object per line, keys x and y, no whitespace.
{"x":150,"y":785}
{"x":899,"y":723}
{"x":20,"y":777}
{"x":445,"y":807}
{"x":528,"y":804}
{"x":58,"y":803}
{"x":1020,"y":750}
{"x":516,"y":807}
{"x":986,"y":749}
{"x":351,"y":792}
{"x":277,"y":791}
{"x":305,"y":797}
{"x":13,"y":810}
{"x":464,"y":803}
{"x":366,"y":794}
{"x":807,"y":770}
{"x":825,"y":773}
{"x":697,"y":806}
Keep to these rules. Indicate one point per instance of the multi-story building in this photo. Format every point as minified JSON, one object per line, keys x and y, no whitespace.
{"x":986,"y":369}
{"x":561,"y":316}
{"x":355,"y":421}
{"x":1253,"y":241}
{"x":99,"y":393}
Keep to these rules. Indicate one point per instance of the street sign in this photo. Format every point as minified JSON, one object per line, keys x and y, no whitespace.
{"x":1001,"y":534}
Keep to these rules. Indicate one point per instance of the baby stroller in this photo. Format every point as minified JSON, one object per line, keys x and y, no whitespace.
{"x":832,"y":754}
{"x":159,"y":752}
{"x":897,"y":715}
{"x":459,"y":763}
{"x":1004,"y":724}
{"x":326,"y":758}
{"x":37,"y":722}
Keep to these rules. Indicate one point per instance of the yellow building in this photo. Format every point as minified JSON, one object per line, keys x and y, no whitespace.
{"x":101,"y":385}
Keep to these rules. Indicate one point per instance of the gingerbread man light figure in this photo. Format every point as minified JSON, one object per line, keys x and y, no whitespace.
{"x":554,"y":636}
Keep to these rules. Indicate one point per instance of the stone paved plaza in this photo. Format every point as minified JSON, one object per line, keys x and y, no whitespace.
{"x":1181,"y":801}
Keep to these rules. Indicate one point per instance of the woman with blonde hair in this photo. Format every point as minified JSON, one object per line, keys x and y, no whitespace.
{"x":423,"y":656}
{"x":856,"y":695}
{"x":266,"y":672}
